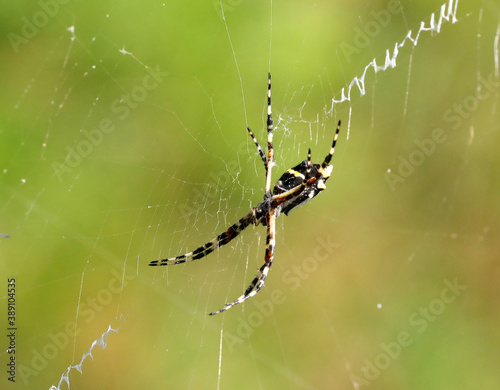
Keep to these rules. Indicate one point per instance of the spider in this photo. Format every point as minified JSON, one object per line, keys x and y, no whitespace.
{"x":296,"y":187}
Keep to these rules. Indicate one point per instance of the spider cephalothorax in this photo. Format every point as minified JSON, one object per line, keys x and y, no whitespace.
{"x":295,"y":187}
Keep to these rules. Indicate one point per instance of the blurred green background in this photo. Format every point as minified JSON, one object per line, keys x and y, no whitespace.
{"x":123,"y":141}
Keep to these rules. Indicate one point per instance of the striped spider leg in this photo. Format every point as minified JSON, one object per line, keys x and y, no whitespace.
{"x":269,"y":213}
{"x":296,"y":187}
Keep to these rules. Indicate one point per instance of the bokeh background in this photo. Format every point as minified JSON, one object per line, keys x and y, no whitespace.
{"x":123,"y":140}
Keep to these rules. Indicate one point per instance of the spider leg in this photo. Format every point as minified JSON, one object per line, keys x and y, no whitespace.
{"x":270,"y":149}
{"x":209,"y":247}
{"x":260,"y":278}
{"x":259,"y":149}
{"x":322,"y":175}
{"x":328,"y":157}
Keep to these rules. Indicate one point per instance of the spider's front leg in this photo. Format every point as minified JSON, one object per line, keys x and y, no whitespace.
{"x":260,"y":278}
{"x":254,"y":216}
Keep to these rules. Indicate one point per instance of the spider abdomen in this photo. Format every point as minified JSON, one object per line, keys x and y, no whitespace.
{"x":294,"y":177}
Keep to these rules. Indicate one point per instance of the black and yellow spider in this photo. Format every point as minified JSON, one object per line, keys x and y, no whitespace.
{"x":295,"y":187}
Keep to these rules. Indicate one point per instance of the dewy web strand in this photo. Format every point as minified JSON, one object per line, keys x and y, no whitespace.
{"x":448,"y":12}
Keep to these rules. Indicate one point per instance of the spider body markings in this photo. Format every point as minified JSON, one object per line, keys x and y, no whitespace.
{"x":294,"y":177}
{"x":295,"y":187}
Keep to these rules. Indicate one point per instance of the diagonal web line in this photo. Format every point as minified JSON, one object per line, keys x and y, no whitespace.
{"x":448,"y":12}
{"x":101,"y":342}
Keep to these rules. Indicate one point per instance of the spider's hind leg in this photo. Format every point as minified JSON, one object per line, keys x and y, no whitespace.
{"x":329,"y":156}
{"x":325,"y":170}
{"x":270,"y":129}
{"x":270,"y":153}
{"x":259,"y":149}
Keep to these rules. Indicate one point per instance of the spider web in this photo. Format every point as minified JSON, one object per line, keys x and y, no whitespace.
{"x":124,"y":141}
